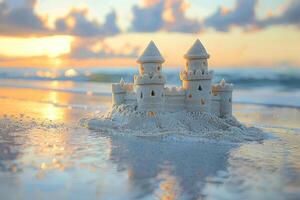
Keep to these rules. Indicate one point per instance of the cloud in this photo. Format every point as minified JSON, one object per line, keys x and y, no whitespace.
{"x":291,"y":15}
{"x":76,"y":23}
{"x":176,"y":20}
{"x":148,"y":19}
{"x":168,"y":15}
{"x":17,"y":17}
{"x":242,"y":15}
{"x":97,"y":49}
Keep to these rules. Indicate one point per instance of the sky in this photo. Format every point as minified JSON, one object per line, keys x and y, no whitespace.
{"x":101,"y":33}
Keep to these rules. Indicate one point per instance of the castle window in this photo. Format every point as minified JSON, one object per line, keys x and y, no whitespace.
{"x":200,"y":88}
{"x":202,"y":101}
{"x":152,"y":93}
{"x":141,"y":95}
{"x":230,"y":100}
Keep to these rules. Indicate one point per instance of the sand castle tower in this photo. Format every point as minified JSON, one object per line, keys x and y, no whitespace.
{"x":149,"y":84}
{"x":118,"y":93}
{"x":215,"y":101}
{"x":224,"y":91}
{"x":196,"y":78}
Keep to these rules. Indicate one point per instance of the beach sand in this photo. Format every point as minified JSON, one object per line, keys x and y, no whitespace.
{"x":46,"y":154}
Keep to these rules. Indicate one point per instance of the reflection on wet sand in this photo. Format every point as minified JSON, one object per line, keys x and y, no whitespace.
{"x":49,"y":111}
{"x":45,"y":161}
{"x":39,"y":105}
{"x":270,"y":117}
{"x":35,"y":105}
{"x":33,"y":129}
{"x":271,"y":169}
{"x":169,"y":187}
{"x":180,"y":167}
{"x":49,"y":149}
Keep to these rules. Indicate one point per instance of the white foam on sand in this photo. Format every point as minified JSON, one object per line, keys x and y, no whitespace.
{"x":126,"y":120}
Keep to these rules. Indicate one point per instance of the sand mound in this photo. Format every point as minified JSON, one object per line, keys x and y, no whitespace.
{"x":125,"y":119}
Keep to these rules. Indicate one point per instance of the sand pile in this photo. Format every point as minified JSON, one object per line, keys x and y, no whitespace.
{"x":125,"y":119}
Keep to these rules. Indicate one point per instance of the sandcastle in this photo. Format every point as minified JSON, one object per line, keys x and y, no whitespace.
{"x":198,"y":109}
{"x":197,"y":93}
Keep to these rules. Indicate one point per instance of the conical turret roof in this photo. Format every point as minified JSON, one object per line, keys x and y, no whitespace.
{"x":197,"y":51}
{"x":151,"y":54}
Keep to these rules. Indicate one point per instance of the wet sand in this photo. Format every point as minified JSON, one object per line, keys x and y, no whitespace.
{"x":45,"y":154}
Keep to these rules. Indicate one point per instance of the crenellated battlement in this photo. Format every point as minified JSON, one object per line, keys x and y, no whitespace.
{"x":129,"y":87}
{"x":196,"y":75}
{"x":174,"y":91}
{"x":222,"y":87}
{"x":130,"y":97}
{"x":118,"y":88}
{"x":149,"y":79}
{"x":122,"y":87}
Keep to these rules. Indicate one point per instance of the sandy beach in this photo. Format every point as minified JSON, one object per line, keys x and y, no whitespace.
{"x":46,"y":154}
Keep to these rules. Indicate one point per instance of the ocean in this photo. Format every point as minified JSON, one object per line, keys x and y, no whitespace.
{"x":268,"y":86}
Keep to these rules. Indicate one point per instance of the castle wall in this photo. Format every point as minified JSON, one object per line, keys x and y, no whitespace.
{"x":225,"y":103}
{"x":150,"y":96}
{"x":118,"y":99}
{"x":174,"y":99}
{"x":215,"y":104}
{"x":174,"y":103}
{"x":197,"y":96}
{"x":130,"y":97}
